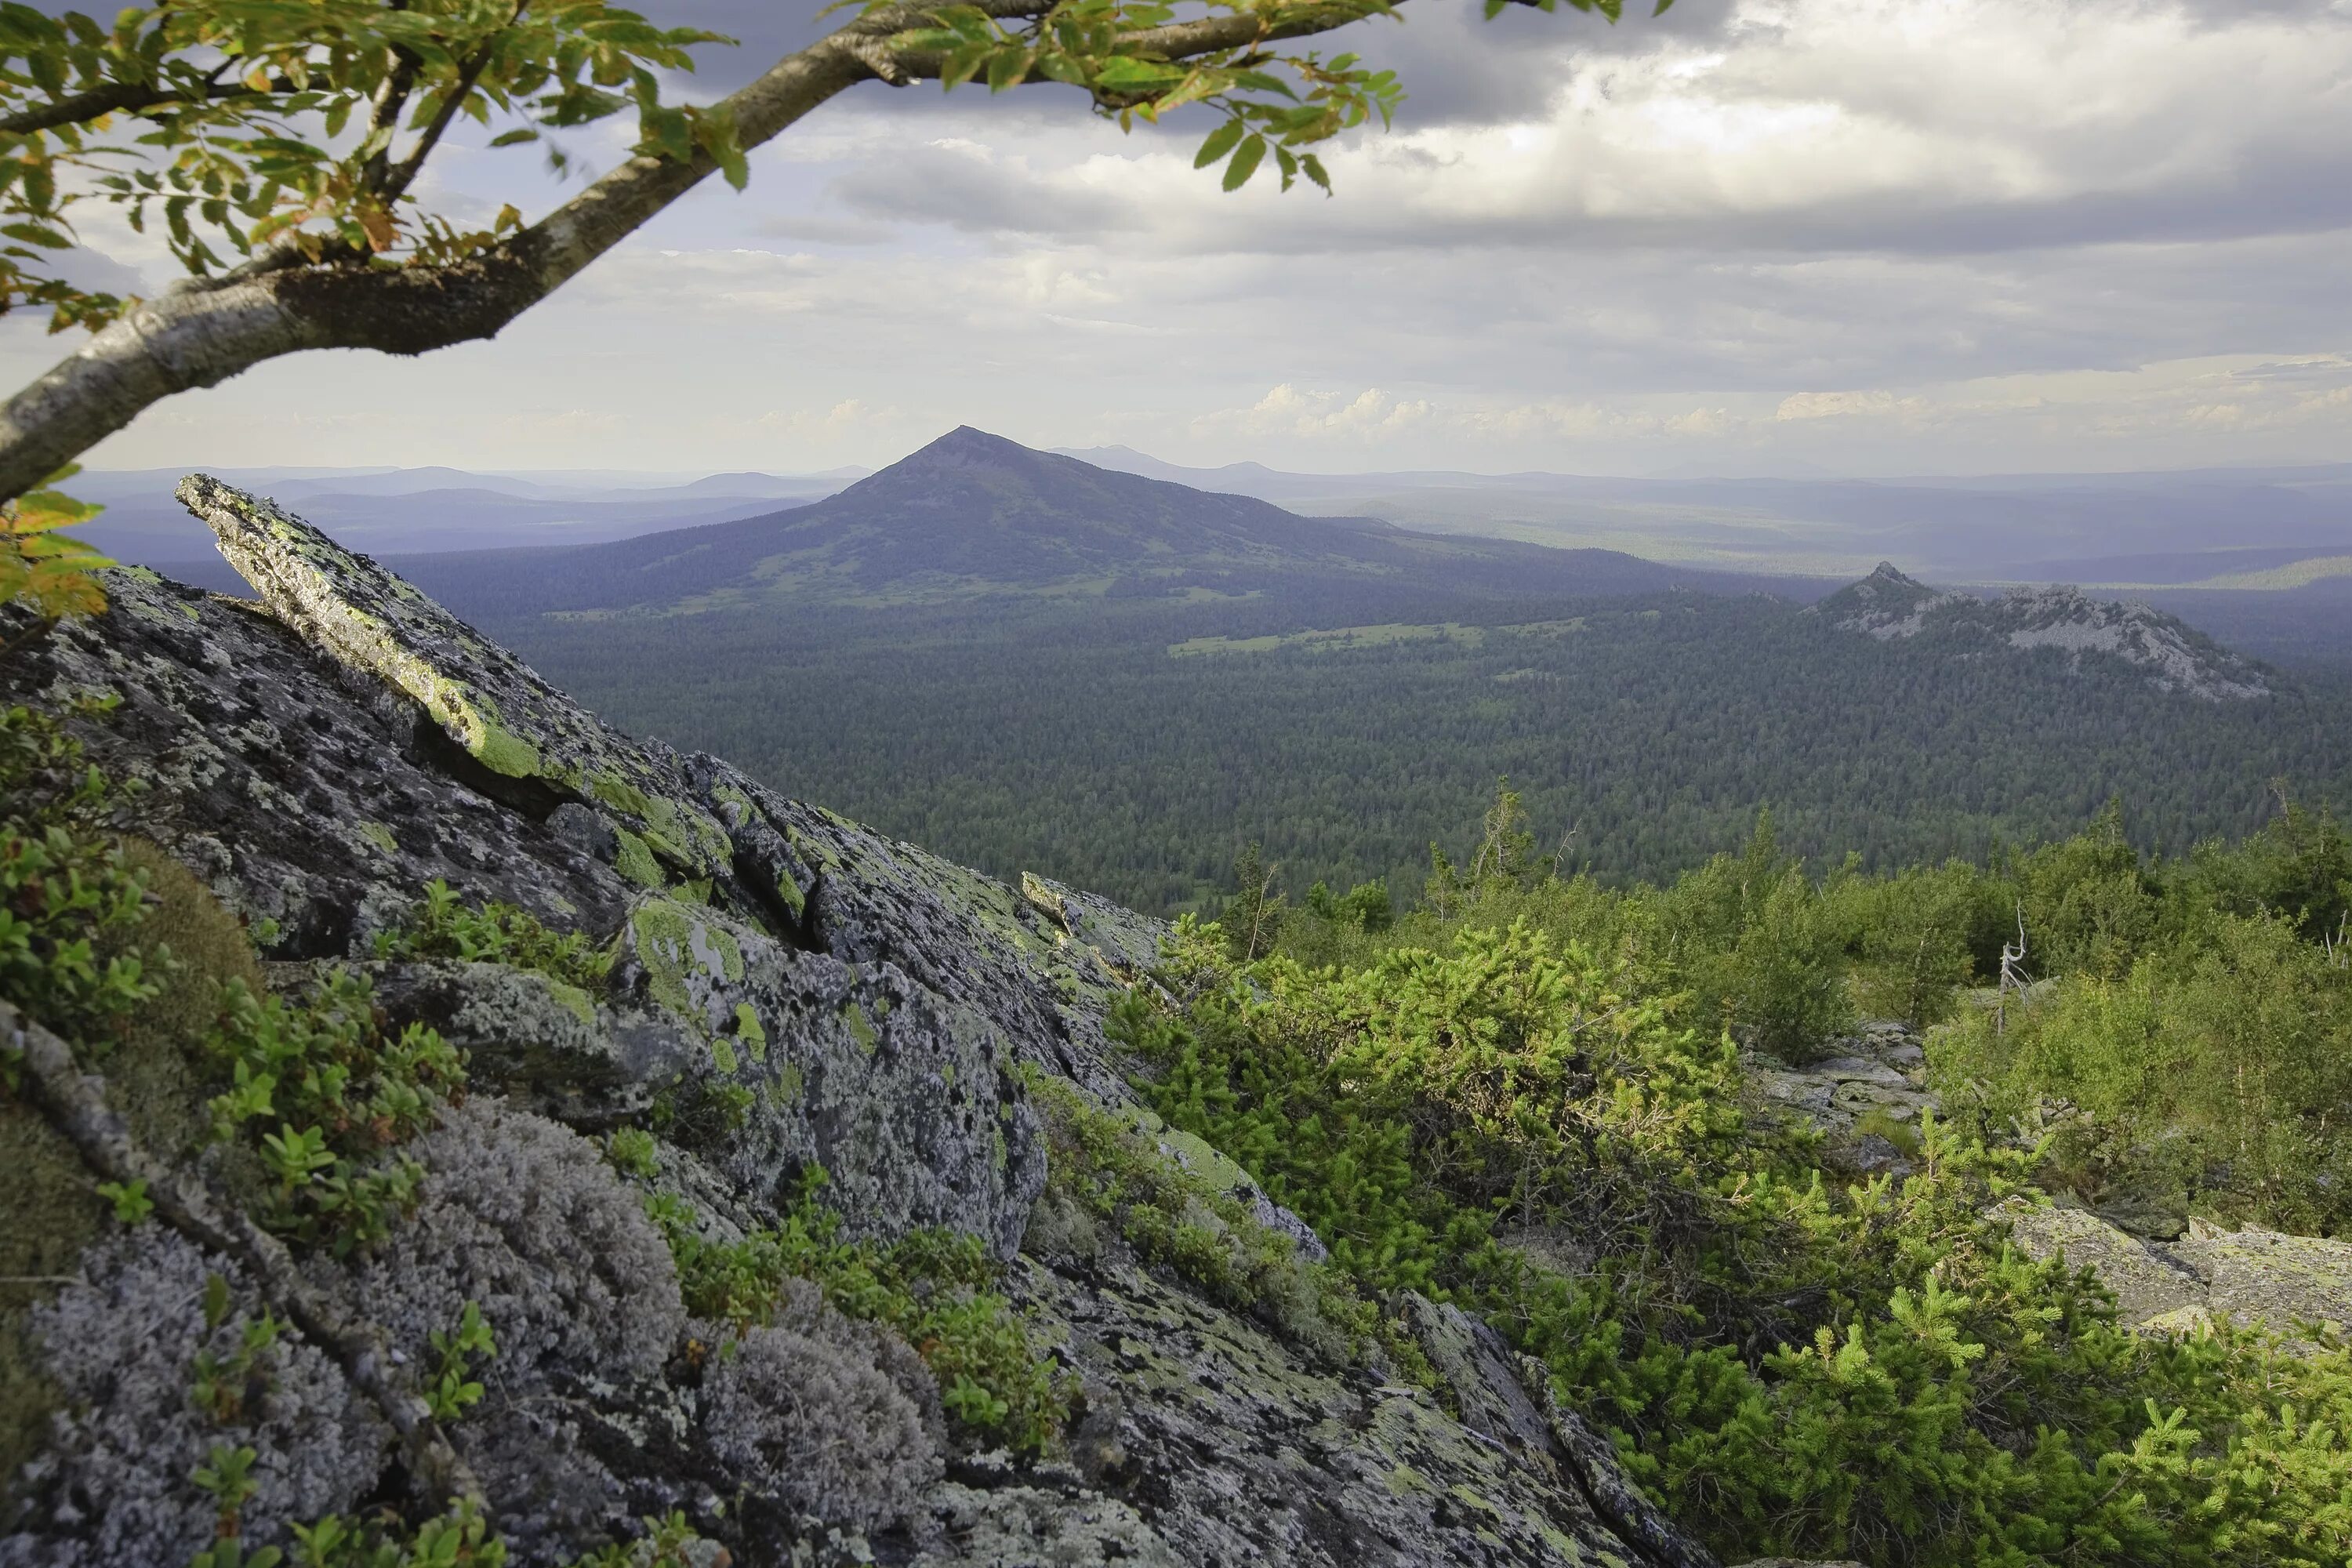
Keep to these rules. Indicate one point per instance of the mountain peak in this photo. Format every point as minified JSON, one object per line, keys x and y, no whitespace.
{"x":965,"y":444}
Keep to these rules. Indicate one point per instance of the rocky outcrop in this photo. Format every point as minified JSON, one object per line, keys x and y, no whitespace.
{"x":785,"y":990}
{"x":2249,"y":1276}
{"x":1864,"y":1095}
{"x":2167,"y":652}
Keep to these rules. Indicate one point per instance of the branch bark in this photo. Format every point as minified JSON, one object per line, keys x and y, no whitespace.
{"x":207,"y":331}
{"x":75,"y":1103}
{"x":117,"y":98}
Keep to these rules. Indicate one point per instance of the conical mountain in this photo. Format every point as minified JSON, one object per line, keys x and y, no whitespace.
{"x":973,"y":514}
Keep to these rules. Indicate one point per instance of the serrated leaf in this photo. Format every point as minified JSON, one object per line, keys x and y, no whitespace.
{"x":1247,"y":158}
{"x":1220,"y":141}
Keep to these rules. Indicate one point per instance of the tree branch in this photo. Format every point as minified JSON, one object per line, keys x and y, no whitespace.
{"x":399,"y":178}
{"x":121,"y":98}
{"x":205,"y":330}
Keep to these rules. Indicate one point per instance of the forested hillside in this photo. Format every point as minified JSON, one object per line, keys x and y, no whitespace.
{"x":1132,"y":748}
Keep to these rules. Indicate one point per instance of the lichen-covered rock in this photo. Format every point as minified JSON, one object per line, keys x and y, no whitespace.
{"x":1865,"y":1094}
{"x":2261,"y":1276}
{"x":910,"y":1102}
{"x":525,"y":741}
{"x":298,"y":800}
{"x":2249,"y":1276}
{"x":968,"y":937}
{"x":547,"y":1046}
{"x":1236,"y":1450}
{"x":1128,"y":943}
{"x":1039,"y":1527}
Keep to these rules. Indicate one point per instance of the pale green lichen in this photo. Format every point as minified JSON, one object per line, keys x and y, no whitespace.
{"x":1404,"y":1480}
{"x":574,"y":1000}
{"x":823,"y":852}
{"x":666,"y":827}
{"x":749,"y":1030}
{"x":861,"y":1027}
{"x":634,"y":861}
{"x":789,"y":891}
{"x":722,"y":1051}
{"x":730,"y":953}
{"x":789,"y":1083}
{"x":377,"y":834}
{"x":664,"y":934}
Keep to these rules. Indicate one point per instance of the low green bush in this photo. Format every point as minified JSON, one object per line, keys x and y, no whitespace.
{"x":935,"y":1289}
{"x":1788,"y":1368}
{"x":494,"y":932}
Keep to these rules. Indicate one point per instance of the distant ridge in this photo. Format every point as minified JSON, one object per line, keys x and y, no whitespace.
{"x":2172,"y":655}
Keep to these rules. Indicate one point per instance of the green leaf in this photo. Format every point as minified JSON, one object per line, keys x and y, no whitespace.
{"x":1220,"y":141}
{"x":1246,"y":162}
{"x":1125,"y":73}
{"x":1006,"y":69}
{"x":514,"y":138}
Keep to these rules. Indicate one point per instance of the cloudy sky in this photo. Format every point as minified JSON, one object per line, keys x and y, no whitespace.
{"x":1862,"y":237}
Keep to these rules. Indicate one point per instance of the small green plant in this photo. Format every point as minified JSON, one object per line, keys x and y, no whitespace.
{"x":64,"y":885}
{"x":632,"y":1151}
{"x":665,"y":1544}
{"x":452,"y":1392}
{"x":225,"y":1387}
{"x":131,"y":1204}
{"x":226,"y":1477}
{"x":443,"y":927}
{"x":344,"y":1093}
{"x":460,"y":1537}
{"x":934,"y":1287}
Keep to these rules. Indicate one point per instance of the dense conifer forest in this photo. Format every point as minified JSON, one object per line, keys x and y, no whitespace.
{"x":1133,"y":746}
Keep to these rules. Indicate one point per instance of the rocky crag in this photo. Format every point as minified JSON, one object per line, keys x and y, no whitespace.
{"x":2167,"y":652}
{"x":778,"y":990}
